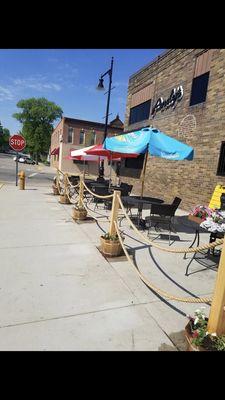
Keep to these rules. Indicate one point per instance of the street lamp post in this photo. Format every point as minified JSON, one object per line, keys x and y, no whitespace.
{"x":101,"y":87}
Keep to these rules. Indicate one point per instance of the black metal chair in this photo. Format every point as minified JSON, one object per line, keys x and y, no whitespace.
{"x":163,"y":214}
{"x":101,"y":191}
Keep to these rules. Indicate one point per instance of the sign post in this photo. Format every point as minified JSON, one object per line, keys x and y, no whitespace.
{"x":17,"y":143}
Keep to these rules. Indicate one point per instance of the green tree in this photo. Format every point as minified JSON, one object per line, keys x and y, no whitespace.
{"x":37,"y":117}
{"x":4,"y":138}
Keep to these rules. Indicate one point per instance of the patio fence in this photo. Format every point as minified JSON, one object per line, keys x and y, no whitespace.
{"x":65,"y":187}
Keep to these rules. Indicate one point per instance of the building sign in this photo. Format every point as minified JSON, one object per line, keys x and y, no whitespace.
{"x":175,"y":96}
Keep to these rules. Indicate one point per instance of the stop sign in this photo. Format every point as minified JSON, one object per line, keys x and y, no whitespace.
{"x":17,"y":142}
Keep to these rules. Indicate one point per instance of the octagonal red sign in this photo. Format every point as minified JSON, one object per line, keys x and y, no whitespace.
{"x":17,"y":142}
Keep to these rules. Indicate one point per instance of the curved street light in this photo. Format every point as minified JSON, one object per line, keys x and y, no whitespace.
{"x":101,"y":87}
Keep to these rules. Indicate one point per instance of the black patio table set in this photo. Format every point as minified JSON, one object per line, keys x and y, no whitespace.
{"x":140,"y":203}
{"x":159,"y":212}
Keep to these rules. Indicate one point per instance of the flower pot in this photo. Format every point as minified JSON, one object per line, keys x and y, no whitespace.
{"x":63,"y":199}
{"x":189,"y":337}
{"x":79,"y":214}
{"x":111,"y":248}
{"x":195,"y":219}
{"x":55,"y":190}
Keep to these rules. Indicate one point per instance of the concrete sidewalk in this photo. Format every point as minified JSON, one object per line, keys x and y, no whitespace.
{"x":58,"y":292}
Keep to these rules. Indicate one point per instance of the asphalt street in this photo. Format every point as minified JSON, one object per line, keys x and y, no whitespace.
{"x":40,"y":175}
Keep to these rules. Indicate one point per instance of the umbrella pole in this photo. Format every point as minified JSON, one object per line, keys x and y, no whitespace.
{"x":110,"y":176}
{"x":84,"y":171}
{"x":143,"y":173}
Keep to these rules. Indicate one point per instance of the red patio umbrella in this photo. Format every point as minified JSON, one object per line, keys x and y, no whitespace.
{"x":98,"y":150}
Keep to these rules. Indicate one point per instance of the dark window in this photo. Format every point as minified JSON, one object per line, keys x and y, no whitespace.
{"x":140,"y":112}
{"x":82,"y":137}
{"x":199,"y":89}
{"x":221,"y":164}
{"x":70,"y":135}
{"x":135,"y":163}
{"x":80,"y":162}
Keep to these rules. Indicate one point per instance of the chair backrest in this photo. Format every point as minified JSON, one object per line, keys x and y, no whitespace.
{"x":101,"y":191}
{"x":165,"y":210}
{"x":176,"y":202}
{"x":129,"y":188}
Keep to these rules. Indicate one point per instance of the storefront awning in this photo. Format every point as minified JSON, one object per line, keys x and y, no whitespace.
{"x":55,"y":152}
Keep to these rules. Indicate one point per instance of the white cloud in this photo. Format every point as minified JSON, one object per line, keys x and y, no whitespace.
{"x":6,"y":93}
{"x":36,"y":83}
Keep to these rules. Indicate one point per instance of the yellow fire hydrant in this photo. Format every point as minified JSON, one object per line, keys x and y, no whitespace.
{"x":21,"y":176}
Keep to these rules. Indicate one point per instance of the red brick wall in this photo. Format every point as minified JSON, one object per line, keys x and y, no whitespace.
{"x":62,"y":129}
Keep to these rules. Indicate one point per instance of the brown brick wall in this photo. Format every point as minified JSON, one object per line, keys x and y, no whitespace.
{"x":201,"y":126}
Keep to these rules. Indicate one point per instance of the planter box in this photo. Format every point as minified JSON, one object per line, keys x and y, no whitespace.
{"x":110,"y":247}
{"x":79,"y":214}
{"x":55,"y":190}
{"x":63,"y":199}
{"x":195,"y":219}
{"x":188,"y":335}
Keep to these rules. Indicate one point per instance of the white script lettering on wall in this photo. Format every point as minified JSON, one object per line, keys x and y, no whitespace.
{"x":175,"y":96}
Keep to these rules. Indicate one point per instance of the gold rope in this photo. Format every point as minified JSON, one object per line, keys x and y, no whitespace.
{"x":184,"y":250}
{"x":96,"y":195}
{"x":153,"y":287}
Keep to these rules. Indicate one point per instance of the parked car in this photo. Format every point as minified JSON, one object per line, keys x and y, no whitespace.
{"x":25,"y":160}
{"x":29,"y":160}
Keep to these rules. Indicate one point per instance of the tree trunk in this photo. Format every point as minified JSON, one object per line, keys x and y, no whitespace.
{"x":36,"y":158}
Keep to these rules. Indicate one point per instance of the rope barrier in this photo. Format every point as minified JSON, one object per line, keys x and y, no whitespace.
{"x":97,"y":195}
{"x":70,"y":184}
{"x":73,"y":201}
{"x":153,"y":287}
{"x":88,"y":211}
{"x":181,"y":250}
{"x":60,"y":188}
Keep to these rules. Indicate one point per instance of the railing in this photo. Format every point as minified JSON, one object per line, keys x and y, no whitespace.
{"x":216,"y":321}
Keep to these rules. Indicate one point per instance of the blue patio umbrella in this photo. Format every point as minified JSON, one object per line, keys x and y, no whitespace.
{"x":152,"y":141}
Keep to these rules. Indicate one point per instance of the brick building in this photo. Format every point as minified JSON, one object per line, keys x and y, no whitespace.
{"x":182,"y":94}
{"x":71,"y":134}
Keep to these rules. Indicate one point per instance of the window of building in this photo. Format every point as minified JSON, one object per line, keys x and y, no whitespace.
{"x":80,"y":162}
{"x":221,"y":164}
{"x":201,"y":77}
{"x":70,"y":135}
{"x":82,"y":137}
{"x":199,"y":89}
{"x":90,"y":137}
{"x":140,"y":112}
{"x":93,"y":137}
{"x":135,"y":163}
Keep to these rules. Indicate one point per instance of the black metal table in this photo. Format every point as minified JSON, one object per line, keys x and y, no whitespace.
{"x":141,"y":203}
{"x":212,"y":238}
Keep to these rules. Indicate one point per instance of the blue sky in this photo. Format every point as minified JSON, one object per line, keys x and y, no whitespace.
{"x":69,"y":78}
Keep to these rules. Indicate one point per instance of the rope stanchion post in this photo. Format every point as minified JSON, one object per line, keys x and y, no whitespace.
{"x":64,"y":199}
{"x":114,"y":212}
{"x":65,"y":184}
{"x":81,"y":193}
{"x":216,"y":321}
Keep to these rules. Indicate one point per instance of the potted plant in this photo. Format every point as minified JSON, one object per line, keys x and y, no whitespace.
{"x":197,"y":336}
{"x":110,"y":245}
{"x":200,"y":213}
{"x":79,"y":212}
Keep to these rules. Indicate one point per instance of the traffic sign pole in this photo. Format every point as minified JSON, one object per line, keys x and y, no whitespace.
{"x":17,"y":168}
{"x":17,"y":143}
